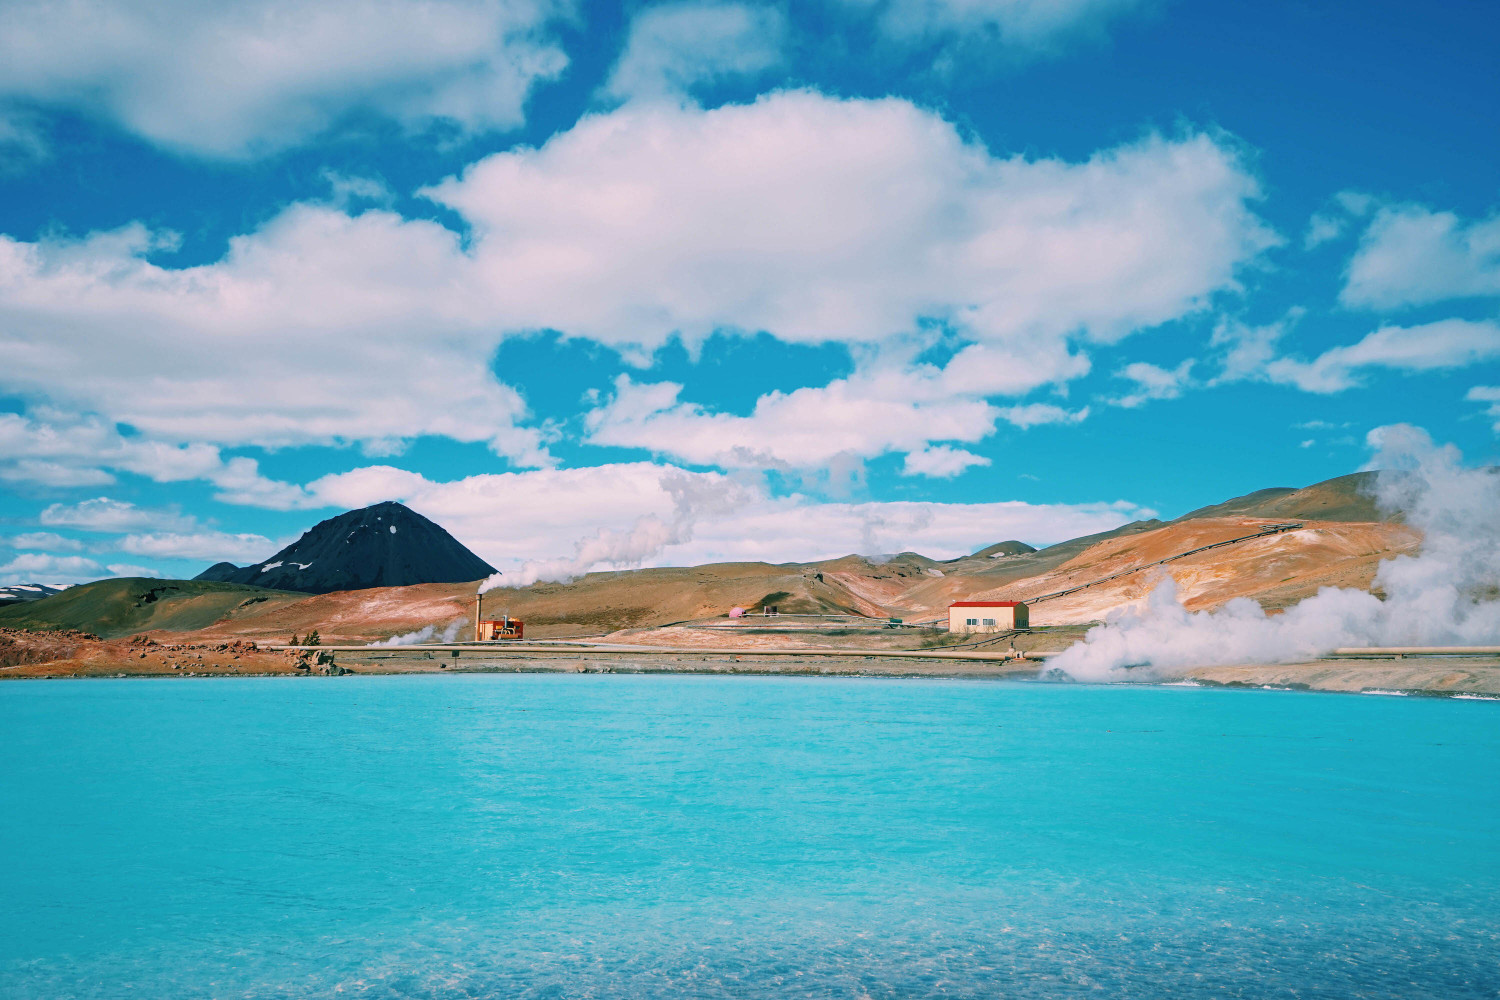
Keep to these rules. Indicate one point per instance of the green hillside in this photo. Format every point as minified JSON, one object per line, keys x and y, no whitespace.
{"x":113,"y":608}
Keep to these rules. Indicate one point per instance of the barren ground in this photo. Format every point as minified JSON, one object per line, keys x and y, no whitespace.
{"x":682,"y":615}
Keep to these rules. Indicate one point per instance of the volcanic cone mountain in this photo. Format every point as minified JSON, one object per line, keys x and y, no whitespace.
{"x":387,"y":545}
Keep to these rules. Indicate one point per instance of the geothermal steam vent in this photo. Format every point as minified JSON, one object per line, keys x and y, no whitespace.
{"x":387,"y":545}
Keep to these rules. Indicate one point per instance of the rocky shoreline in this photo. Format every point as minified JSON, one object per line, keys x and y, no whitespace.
{"x":41,"y":655}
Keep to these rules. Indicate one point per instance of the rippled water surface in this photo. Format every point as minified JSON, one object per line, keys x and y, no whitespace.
{"x":616,"y":836}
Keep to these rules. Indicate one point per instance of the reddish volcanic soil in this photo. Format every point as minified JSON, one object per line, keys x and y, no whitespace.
{"x":80,"y":654}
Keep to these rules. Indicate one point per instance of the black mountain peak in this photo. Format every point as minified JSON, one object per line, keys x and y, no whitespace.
{"x":387,"y":545}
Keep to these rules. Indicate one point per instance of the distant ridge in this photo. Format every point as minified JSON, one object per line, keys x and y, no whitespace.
{"x":1347,"y":498}
{"x":219,"y":572}
{"x":387,"y":545}
{"x":1002,"y":549}
{"x":127,"y":605}
{"x":22,"y":593}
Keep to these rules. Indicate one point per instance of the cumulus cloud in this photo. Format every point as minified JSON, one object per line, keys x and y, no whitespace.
{"x":1322,"y":227}
{"x":347,"y":190}
{"x":1256,"y":353}
{"x":38,"y":567}
{"x":1333,"y":221}
{"x":887,"y":405}
{"x":568,"y":520}
{"x":1452,"y":343}
{"x":1411,"y":255}
{"x":1037,"y":414}
{"x":861,"y":417}
{"x":209,"y":546}
{"x":57,"y":474}
{"x":61,"y":449}
{"x":319,"y":328}
{"x":237,"y":79}
{"x":1153,"y":382}
{"x":818,"y":220}
{"x":941,"y":462}
{"x":104,"y":514}
{"x":675,"y":47}
{"x":1247,"y":350}
{"x":44,"y":540}
{"x":811,"y":218}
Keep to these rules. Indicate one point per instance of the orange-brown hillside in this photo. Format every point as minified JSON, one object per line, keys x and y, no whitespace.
{"x":1342,"y":548}
{"x":1276,"y":570}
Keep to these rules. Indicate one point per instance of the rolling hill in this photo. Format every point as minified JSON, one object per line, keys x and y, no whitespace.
{"x":1347,"y":498}
{"x":112,"y":608}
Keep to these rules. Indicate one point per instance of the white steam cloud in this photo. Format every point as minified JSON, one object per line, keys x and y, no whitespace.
{"x":428,"y":634}
{"x":1447,"y":594}
{"x":692,"y":498}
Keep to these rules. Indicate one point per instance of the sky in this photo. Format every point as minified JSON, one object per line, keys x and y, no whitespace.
{"x":599,"y":285}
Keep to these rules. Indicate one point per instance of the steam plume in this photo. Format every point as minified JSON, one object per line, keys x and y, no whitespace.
{"x":426,"y":634}
{"x":1445,"y":594}
{"x":692,"y":498}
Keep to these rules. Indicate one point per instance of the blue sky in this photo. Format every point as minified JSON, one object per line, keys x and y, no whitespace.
{"x":606,"y":285}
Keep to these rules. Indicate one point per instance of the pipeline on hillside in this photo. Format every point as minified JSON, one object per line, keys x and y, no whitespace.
{"x":1269,"y":529}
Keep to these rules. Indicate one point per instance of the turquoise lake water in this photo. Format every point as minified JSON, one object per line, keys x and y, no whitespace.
{"x":624,"y":836}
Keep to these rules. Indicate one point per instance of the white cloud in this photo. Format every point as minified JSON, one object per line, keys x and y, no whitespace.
{"x":1487,"y":394}
{"x":1411,"y":255}
{"x":1037,"y":414}
{"x":553,"y":516}
{"x":58,"y":474}
{"x":941,"y":462}
{"x":237,"y":79}
{"x":1153,"y":382}
{"x":675,"y":47}
{"x":1255,"y":353}
{"x":861,"y":416}
{"x":319,"y":328}
{"x":130,"y":569}
{"x":1451,"y":343}
{"x":60,"y":449}
{"x":43,"y":540}
{"x":1322,"y":227}
{"x":1248,"y":349}
{"x":1355,"y":203}
{"x":1025,"y":24}
{"x":34,"y":567}
{"x":106,"y":515}
{"x":1332,"y":222}
{"x":345,"y":189}
{"x":854,"y":221}
{"x":811,"y":218}
{"x":210,"y":546}
{"x":821,"y":220}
